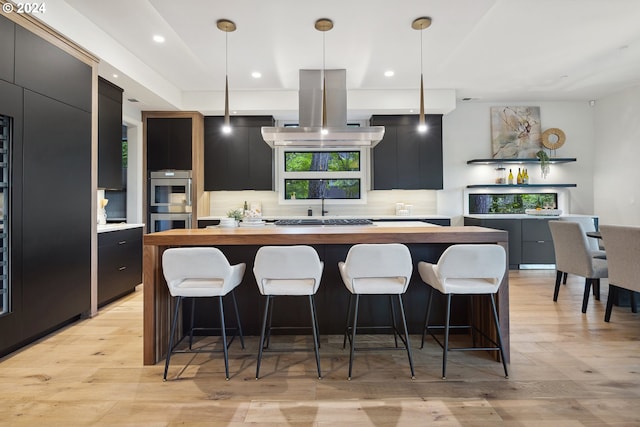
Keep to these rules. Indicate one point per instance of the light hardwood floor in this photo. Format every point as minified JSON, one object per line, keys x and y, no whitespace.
{"x":567,"y":369}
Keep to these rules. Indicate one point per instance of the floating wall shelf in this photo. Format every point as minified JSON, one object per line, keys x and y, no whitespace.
{"x":520,"y":185}
{"x":519,"y":161}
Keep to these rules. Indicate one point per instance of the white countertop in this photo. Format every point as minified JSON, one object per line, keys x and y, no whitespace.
{"x":116,"y":227}
{"x":371,"y":217}
{"x":521,"y":216}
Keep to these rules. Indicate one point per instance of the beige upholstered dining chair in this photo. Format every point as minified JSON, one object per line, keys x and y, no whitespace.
{"x":623,"y":257}
{"x":573,"y":255}
{"x":595,"y":245}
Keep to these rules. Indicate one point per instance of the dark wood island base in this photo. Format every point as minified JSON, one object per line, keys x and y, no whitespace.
{"x":426,"y":242}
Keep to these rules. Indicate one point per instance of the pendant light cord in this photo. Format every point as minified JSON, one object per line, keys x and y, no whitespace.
{"x":324,"y":86}
{"x":226,"y":54}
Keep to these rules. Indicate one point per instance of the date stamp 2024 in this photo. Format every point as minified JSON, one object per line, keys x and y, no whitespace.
{"x":24,"y":8}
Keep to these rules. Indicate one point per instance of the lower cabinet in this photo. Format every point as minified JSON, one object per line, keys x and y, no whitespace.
{"x":537,"y":244}
{"x":529,"y":239}
{"x":119,"y":263}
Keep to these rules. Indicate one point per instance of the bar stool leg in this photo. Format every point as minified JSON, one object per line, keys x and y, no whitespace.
{"x":353,"y":335}
{"x":270,"y":319}
{"x":315,"y":310}
{"x":495,"y":319}
{"x":223,"y":331}
{"x":193,"y":312}
{"x":393,"y":320}
{"x":426,"y":316}
{"x":316,"y":338}
{"x":173,"y":332}
{"x":446,"y":338}
{"x":264,"y":326}
{"x":235,"y":306}
{"x":348,"y":321}
{"x":406,"y":336}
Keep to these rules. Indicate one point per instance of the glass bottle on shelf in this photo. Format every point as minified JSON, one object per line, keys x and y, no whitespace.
{"x":510,"y":179}
{"x":519,"y":177}
{"x":525,"y":177}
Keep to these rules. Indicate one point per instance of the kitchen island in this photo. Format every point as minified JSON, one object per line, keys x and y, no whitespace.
{"x":425,"y":241}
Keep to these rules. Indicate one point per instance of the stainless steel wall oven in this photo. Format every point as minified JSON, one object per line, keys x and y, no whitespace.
{"x":170,"y":200}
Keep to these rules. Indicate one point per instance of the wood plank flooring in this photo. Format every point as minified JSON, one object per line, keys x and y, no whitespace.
{"x":567,"y":369}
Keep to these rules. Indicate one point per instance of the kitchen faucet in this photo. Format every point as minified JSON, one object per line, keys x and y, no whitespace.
{"x":322,"y":192}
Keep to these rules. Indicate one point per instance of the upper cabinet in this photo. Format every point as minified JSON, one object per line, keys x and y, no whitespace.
{"x":109,"y":135}
{"x":405,"y":158}
{"x":50,"y":71}
{"x":240,"y":160}
{"x":7,"y":49}
{"x":169,"y":143}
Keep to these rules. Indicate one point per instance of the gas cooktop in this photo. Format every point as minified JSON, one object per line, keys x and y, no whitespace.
{"x":327,"y":221}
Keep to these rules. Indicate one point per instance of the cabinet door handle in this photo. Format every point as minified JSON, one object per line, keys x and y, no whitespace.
{"x":122,"y":242}
{"x":122,"y":268}
{"x":540,"y":241}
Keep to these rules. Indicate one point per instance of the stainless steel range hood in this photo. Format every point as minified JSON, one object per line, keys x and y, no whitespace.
{"x":308,"y":133}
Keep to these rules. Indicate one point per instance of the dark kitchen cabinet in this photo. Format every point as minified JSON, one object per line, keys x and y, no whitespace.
{"x":7,"y":49}
{"x":529,"y":238}
{"x":169,"y":143}
{"x":537,"y":244}
{"x":56,"y":215}
{"x":119,"y":263}
{"x":240,"y":160}
{"x":11,"y":322}
{"x":512,"y":226}
{"x":50,"y":71}
{"x":405,"y":158}
{"x":109,"y":135}
{"x":50,"y":211}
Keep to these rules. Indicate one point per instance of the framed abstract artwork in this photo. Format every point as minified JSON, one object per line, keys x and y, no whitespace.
{"x":515,"y":132}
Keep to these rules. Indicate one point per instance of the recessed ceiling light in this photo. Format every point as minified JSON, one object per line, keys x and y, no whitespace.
{"x":256,"y":74}
{"x":158,"y":38}
{"x":115,"y":76}
{"x":411,"y":111}
{"x":389,"y":73}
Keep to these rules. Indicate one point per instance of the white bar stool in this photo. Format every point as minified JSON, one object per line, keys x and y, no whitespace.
{"x":291,"y":271}
{"x":469,"y":270}
{"x":382,"y":269}
{"x":196,"y":273}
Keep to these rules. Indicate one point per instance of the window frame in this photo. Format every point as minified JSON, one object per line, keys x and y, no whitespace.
{"x":282,"y":175}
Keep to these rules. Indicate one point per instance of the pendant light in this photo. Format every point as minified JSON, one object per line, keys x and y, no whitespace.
{"x":324,"y":25}
{"x":227,"y":26}
{"x":420,"y":24}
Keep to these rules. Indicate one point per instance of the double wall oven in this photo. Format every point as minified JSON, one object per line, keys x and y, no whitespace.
{"x":169,"y":200}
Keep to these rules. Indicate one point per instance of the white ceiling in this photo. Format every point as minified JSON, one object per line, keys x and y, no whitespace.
{"x":491,"y":50}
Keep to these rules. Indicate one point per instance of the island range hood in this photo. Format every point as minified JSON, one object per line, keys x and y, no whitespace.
{"x":308,"y":133}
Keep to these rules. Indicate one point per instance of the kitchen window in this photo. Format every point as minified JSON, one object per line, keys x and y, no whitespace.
{"x":315,"y":174}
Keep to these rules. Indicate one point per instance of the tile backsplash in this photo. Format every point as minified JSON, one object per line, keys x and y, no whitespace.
{"x":379,"y":202}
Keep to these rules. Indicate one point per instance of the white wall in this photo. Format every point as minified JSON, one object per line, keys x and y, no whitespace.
{"x":467,"y":135}
{"x":617,"y":148}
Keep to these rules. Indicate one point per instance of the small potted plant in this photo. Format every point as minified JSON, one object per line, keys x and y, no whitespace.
{"x":544,"y":163}
{"x":236,"y":214}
